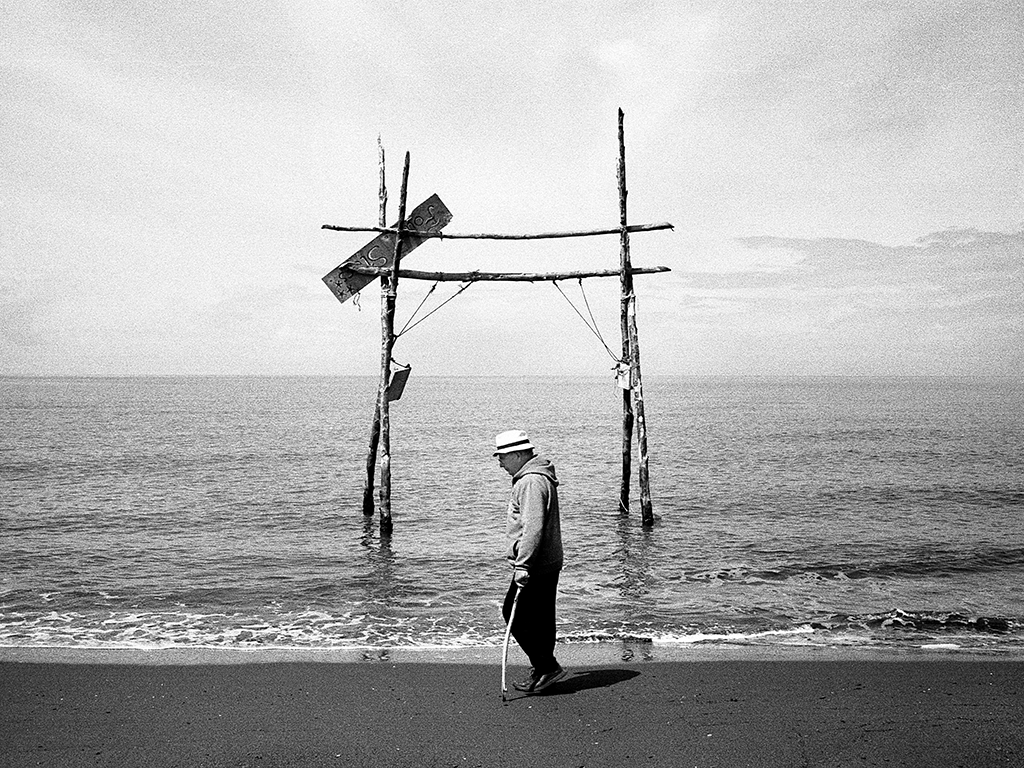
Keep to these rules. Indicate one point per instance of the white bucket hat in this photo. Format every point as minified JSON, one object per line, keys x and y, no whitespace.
{"x":513,"y":440}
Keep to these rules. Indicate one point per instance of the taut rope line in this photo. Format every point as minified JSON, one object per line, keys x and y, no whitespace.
{"x":592,"y":323}
{"x":408,"y":327}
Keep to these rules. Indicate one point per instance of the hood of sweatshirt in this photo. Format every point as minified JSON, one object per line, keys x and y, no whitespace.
{"x":537,"y":466}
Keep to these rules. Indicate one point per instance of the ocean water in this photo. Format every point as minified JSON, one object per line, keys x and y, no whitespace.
{"x":225,"y":512}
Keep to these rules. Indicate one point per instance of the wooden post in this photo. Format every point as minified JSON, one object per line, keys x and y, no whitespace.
{"x":632,"y":399}
{"x":646,"y":510}
{"x":626,"y":282}
{"x":371,"y":455}
{"x":371,"y":461}
{"x":388,"y":301}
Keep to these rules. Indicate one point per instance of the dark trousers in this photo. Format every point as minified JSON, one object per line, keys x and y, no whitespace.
{"x":534,"y":626}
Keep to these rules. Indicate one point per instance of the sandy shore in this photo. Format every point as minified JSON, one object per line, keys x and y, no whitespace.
{"x":934,"y":712}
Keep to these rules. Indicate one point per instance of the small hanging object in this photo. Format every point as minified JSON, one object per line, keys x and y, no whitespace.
{"x":397,"y":384}
{"x":623,"y":375}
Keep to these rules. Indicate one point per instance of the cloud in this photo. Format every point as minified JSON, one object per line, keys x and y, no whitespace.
{"x":169,"y":165}
{"x":950,"y":303}
{"x":954,"y":266}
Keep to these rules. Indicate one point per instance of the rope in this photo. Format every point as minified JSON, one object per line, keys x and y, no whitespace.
{"x":592,"y":324}
{"x":409,"y":327}
{"x":416,"y":311}
{"x":592,"y":319}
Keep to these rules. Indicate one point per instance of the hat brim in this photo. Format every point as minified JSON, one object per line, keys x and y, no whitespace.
{"x":527,"y":446}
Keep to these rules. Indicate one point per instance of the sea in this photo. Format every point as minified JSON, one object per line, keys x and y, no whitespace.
{"x":790,"y":512}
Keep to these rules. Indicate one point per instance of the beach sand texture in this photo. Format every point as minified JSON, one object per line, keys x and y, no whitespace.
{"x":928,"y":713}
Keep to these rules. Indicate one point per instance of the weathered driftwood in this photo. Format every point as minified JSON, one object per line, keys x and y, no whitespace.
{"x":371,"y":454}
{"x":633,"y":407}
{"x":626,"y":283}
{"x":643,"y":473}
{"x":631,"y":354}
{"x":521,"y":277}
{"x":388,"y":301}
{"x":491,"y":236}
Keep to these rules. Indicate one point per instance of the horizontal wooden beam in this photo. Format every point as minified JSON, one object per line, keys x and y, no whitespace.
{"x":535,"y":236}
{"x":515,"y":277}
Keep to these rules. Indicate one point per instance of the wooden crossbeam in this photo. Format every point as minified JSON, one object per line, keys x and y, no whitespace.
{"x":535,"y":236}
{"x":515,"y":277}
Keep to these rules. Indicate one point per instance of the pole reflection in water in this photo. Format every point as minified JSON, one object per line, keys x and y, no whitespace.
{"x":633,"y":554}
{"x":381,"y":562}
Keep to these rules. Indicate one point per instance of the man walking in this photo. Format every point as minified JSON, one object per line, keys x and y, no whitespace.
{"x":534,"y":537}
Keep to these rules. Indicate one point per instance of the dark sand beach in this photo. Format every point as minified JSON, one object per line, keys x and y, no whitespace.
{"x":934,"y":711}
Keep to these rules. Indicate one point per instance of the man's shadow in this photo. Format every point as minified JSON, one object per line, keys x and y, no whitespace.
{"x":587,"y":679}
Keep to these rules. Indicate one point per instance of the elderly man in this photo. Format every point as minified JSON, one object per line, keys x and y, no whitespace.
{"x":534,"y":537}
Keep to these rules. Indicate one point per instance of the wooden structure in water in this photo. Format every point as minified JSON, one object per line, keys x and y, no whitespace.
{"x":382,"y":258}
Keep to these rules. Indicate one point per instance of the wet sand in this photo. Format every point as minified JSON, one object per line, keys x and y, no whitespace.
{"x":932,"y":712}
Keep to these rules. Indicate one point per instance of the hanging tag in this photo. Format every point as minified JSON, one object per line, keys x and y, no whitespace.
{"x":397,"y":384}
{"x":623,"y":376}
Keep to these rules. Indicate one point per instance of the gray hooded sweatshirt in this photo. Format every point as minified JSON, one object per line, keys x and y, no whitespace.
{"x":533,"y":530}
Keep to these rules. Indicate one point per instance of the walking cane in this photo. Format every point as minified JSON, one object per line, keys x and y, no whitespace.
{"x":508,"y":634}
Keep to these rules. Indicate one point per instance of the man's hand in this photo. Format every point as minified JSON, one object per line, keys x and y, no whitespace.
{"x":521,"y":577}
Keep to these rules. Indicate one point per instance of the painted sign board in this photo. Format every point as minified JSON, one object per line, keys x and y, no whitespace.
{"x":429,"y":216}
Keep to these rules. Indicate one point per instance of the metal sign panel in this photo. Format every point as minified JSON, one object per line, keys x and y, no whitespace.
{"x":429,"y":216}
{"x":397,"y":384}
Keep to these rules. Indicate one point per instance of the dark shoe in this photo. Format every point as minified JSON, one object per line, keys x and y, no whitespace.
{"x":526,"y":685}
{"x":547,"y":680}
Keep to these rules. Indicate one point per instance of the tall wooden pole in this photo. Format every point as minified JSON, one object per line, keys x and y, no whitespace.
{"x":646,"y":510}
{"x":371,"y":454}
{"x":633,"y":398}
{"x":388,"y":302}
{"x":626,"y":282}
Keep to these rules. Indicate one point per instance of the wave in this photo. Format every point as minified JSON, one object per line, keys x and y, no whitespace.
{"x":933,"y":562}
{"x":926,"y":621}
{"x":360,"y":630}
{"x":188,"y":629}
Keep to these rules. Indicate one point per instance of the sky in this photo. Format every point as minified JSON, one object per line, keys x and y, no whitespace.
{"x":844,"y":180}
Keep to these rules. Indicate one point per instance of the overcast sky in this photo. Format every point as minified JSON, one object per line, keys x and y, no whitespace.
{"x":845,"y":181}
